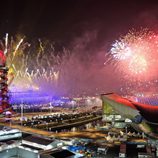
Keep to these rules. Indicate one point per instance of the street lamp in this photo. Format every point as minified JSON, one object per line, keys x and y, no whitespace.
{"x":50,"y":106}
{"x":22,"y":112}
{"x":126,"y":130}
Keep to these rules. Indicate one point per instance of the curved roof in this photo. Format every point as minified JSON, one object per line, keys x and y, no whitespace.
{"x":149,"y":112}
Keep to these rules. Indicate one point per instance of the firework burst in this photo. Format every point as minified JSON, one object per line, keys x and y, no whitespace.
{"x":34,"y":66}
{"x":136,"y":53}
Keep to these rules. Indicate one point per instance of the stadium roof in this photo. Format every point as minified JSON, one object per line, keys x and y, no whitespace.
{"x":148,"y":112}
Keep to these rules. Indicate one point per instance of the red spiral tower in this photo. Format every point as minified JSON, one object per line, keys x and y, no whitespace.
{"x":4,"y":98}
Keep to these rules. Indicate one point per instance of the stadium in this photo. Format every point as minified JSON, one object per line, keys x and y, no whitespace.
{"x":144,"y":117}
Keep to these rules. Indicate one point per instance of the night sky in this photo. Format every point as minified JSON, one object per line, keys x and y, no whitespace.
{"x":87,"y":28}
{"x":64,"y":20}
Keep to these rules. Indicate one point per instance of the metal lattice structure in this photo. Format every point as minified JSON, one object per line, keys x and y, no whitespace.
{"x":4,"y":98}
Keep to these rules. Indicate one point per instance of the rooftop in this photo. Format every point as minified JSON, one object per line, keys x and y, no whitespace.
{"x":31,"y":147}
{"x":62,"y":154}
{"x":38,"y":140}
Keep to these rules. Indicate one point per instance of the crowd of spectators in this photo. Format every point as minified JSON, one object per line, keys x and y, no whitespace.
{"x":148,"y":100}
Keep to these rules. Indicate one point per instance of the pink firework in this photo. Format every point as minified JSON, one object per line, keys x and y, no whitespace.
{"x":136,"y":54}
